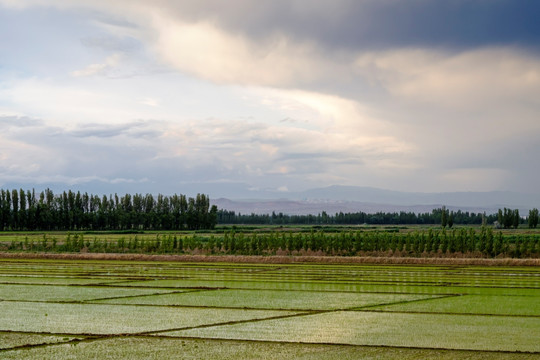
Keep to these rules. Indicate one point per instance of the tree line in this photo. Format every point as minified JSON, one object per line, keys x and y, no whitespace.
{"x":379,"y":218}
{"x":504,"y":218}
{"x":431,"y":243}
{"x":26,"y":210}
{"x":509,"y":218}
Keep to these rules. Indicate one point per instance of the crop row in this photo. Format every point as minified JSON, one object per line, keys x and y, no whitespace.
{"x":484,"y":243}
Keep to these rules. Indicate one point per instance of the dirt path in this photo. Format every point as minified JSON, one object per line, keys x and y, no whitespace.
{"x":276,"y":259}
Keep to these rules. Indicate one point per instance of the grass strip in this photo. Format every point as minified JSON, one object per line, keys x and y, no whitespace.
{"x":472,"y":304}
{"x":464,"y":332}
{"x":66,"y":293}
{"x":268,"y":299}
{"x":92,"y":319}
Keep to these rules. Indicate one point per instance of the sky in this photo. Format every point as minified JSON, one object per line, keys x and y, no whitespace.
{"x":236,"y":97}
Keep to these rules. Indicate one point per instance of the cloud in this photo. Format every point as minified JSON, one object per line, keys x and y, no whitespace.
{"x":209,"y":52}
{"x":134,"y":129}
{"x":8,"y":121}
{"x":367,"y":24}
{"x":349,"y":123}
{"x":236,"y":150}
{"x":46,"y":154}
{"x":150,"y":102}
{"x":294,"y":93}
{"x":475,"y":98}
{"x":111,"y":43}
{"x":67,"y":180}
{"x":477,"y":77}
{"x":110,"y":63}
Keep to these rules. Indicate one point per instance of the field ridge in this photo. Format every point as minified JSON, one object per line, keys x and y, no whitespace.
{"x":275,"y":259}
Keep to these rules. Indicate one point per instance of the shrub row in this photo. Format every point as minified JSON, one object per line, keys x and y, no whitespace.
{"x":484,"y":243}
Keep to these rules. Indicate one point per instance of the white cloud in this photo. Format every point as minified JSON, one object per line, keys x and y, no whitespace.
{"x":344,"y":123}
{"x":98,"y":69}
{"x":478,"y":81}
{"x":150,"y":102}
{"x":209,"y":52}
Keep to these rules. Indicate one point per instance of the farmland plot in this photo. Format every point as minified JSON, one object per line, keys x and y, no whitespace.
{"x":152,"y":310}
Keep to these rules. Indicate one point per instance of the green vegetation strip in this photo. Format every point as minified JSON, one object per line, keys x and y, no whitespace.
{"x":114,"y":319}
{"x":67,"y":293}
{"x":265,"y":299}
{"x":473,"y":304}
{"x":162,"y":348}
{"x":334,"y":286}
{"x":388,"y":329}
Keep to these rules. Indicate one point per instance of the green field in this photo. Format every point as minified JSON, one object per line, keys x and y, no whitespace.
{"x":70,"y":309}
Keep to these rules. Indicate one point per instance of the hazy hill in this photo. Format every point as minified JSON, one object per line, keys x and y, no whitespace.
{"x":336,"y":198}
{"x":380,"y":196}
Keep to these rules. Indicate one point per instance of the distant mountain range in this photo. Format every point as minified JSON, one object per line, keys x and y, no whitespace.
{"x":338,"y":198}
{"x":380,"y":196}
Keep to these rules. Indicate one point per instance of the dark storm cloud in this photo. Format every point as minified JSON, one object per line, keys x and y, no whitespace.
{"x":365,"y":24}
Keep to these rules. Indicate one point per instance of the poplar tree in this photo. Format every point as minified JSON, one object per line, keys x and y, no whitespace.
{"x":15,"y":209}
{"x":444,"y":217}
{"x":533,"y":218}
{"x":498,"y":244}
{"x":515,"y":219}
